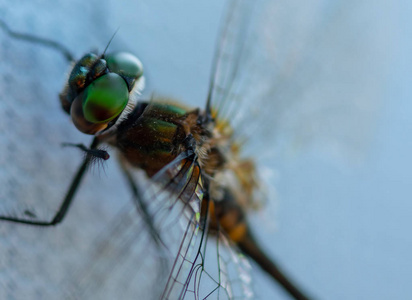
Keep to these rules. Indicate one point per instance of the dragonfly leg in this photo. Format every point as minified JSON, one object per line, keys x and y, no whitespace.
{"x":143,"y":211}
{"x":93,"y":153}
{"x":68,"y":199}
{"x":37,"y":40}
{"x":140,"y":204}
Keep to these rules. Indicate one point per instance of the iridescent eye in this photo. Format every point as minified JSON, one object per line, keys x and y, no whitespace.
{"x":126,"y":65}
{"x":105,"y":98}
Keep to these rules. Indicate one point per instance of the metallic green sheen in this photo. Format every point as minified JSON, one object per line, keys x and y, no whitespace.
{"x":88,"y":60}
{"x":82,"y":67}
{"x":125,"y":64}
{"x":105,"y":98}
{"x":170,"y":108}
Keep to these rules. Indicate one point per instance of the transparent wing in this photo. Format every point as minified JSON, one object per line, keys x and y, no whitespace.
{"x":178,"y":265}
{"x":289,"y":73}
{"x":222,"y":271}
{"x":126,"y":254}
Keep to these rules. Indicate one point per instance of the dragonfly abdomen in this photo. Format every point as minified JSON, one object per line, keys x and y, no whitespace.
{"x":228,"y":216}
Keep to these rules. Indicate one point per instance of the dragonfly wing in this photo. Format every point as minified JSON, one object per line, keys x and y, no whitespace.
{"x":122,"y":257}
{"x":179,"y":267}
{"x":290,"y":73}
{"x":221,"y":272}
{"x":127,"y":254}
{"x":203,"y":268}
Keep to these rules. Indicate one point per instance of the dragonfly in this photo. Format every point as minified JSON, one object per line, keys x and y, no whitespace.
{"x":190,"y":184}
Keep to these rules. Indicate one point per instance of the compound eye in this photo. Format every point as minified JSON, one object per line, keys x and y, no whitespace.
{"x":105,"y":98}
{"x":126,"y":65}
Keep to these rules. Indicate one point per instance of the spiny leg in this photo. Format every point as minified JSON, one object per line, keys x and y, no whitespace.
{"x":68,"y":199}
{"x":93,"y":153}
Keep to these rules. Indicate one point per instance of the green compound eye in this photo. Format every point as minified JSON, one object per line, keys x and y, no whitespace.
{"x":105,"y":98}
{"x":126,"y":65}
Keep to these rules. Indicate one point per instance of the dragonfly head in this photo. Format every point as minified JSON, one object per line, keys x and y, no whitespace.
{"x":99,"y":89}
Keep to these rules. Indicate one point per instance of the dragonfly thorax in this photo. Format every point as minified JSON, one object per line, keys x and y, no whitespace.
{"x":155,"y":133}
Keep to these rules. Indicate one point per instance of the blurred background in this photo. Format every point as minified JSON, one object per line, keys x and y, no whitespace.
{"x":335,"y":156}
